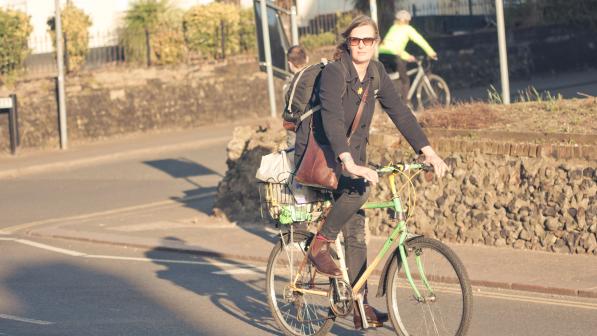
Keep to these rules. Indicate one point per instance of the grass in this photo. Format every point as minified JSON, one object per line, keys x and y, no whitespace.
{"x":548,"y":114}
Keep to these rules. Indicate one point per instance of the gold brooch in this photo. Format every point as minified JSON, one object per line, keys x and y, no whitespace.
{"x":360,"y":90}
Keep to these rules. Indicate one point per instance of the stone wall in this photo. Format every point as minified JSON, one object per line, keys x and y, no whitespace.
{"x":494,"y":195}
{"x":472,"y":60}
{"x":123,"y":100}
{"x":537,"y":203}
{"x":120,"y":101}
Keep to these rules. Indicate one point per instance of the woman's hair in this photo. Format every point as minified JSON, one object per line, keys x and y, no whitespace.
{"x":361,"y":20}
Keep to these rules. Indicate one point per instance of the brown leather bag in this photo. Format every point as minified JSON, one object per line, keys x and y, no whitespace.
{"x":319,"y":167}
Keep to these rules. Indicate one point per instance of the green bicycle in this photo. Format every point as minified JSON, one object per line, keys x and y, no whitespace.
{"x":426,"y":285}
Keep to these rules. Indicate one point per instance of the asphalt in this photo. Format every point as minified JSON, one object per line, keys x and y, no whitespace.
{"x":175,"y":224}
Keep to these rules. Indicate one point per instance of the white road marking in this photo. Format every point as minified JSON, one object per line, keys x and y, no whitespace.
{"x":166,"y":261}
{"x":109,"y":257}
{"x":24,"y":319}
{"x":242,"y":270}
{"x":50,"y":248}
{"x":538,"y":300}
{"x":15,"y":228}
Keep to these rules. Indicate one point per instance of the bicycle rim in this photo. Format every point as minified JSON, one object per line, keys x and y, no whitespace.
{"x":446,"y":306}
{"x":433,"y":93}
{"x":296,"y":313}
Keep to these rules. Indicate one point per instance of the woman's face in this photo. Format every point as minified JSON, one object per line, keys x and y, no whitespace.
{"x":362,"y":43}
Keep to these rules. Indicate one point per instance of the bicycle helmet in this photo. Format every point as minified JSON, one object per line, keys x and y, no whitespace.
{"x":403,"y":15}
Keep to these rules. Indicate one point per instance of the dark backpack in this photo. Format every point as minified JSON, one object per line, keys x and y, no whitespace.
{"x":301,"y":98}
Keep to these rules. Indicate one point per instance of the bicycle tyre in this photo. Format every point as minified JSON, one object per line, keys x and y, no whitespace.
{"x":449,"y":308}
{"x":441,"y":89}
{"x":288,"y":309}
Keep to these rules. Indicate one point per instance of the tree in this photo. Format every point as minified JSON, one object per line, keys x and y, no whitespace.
{"x":15,"y":29}
{"x":75,"y":27}
{"x":208,"y":26}
{"x":153,"y":32}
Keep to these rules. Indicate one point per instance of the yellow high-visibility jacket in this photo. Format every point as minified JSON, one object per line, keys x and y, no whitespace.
{"x":398,"y":36}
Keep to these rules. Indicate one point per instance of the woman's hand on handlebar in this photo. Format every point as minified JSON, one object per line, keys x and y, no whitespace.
{"x":352,"y":168}
{"x":433,"y":159}
{"x":362,"y":171}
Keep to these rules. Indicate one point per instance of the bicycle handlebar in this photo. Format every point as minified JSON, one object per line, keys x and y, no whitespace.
{"x":401,"y":167}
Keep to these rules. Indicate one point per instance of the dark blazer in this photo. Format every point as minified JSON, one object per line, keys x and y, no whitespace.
{"x":338,"y":93}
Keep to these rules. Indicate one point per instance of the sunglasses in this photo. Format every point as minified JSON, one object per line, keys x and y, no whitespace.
{"x":355,"y":41}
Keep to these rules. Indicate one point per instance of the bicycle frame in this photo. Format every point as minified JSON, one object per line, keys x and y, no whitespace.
{"x":400,"y":232}
{"x":420,"y":75}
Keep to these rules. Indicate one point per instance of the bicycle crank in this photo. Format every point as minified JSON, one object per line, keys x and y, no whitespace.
{"x":340,"y":295}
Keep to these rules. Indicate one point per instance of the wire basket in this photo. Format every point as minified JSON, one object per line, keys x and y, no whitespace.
{"x":279,"y":204}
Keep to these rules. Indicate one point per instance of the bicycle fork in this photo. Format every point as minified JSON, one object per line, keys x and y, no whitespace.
{"x":409,"y":277}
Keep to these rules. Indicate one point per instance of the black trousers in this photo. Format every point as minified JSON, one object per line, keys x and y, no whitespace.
{"x":347,"y":217}
{"x":393,"y":63}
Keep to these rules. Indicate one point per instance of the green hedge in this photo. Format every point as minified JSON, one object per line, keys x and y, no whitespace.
{"x":75,"y":28}
{"x":15,"y":29}
{"x":172,"y":33}
{"x":247,"y":30}
{"x":204,"y":26}
{"x":156,"y":24}
{"x":311,"y":41}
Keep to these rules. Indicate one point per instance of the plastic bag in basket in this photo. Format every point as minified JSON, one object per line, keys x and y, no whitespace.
{"x":275,"y":167}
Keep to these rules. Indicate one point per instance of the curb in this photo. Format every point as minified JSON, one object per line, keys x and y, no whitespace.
{"x":177,"y":247}
{"x":75,"y":163}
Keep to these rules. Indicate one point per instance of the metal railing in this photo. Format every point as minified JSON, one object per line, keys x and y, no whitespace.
{"x":110,"y":49}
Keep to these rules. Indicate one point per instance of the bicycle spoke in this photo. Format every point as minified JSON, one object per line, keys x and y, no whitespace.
{"x":444,"y":307}
{"x":296,"y":312}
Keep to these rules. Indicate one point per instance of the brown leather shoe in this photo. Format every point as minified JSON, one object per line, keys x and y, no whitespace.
{"x":319,"y":255}
{"x":374,"y":317}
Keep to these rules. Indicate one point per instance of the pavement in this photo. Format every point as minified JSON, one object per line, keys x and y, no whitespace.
{"x":175,"y":224}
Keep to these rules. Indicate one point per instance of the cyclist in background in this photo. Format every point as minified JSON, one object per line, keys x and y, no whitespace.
{"x":392,"y":51}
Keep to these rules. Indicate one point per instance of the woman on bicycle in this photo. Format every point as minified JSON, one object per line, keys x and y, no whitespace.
{"x":392,"y":51}
{"x":340,"y":94}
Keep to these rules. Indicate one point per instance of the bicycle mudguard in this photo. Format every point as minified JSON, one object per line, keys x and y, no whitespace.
{"x":306,"y":234}
{"x":381,"y":288}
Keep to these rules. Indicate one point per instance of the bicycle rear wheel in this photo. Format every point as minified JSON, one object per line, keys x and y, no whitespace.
{"x":446,"y":304}
{"x":432,"y":93}
{"x":297,"y":313}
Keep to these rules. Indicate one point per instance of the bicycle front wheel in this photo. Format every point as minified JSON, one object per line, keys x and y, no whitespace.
{"x":432,"y":92}
{"x":445,"y":303}
{"x":297,"y":313}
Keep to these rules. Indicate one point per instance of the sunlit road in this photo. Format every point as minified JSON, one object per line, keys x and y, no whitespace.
{"x":56,"y":287}
{"x":49,"y":196}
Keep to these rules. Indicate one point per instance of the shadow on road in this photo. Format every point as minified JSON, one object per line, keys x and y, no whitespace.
{"x":243,"y":300}
{"x":62,"y":298}
{"x":183,"y":168}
